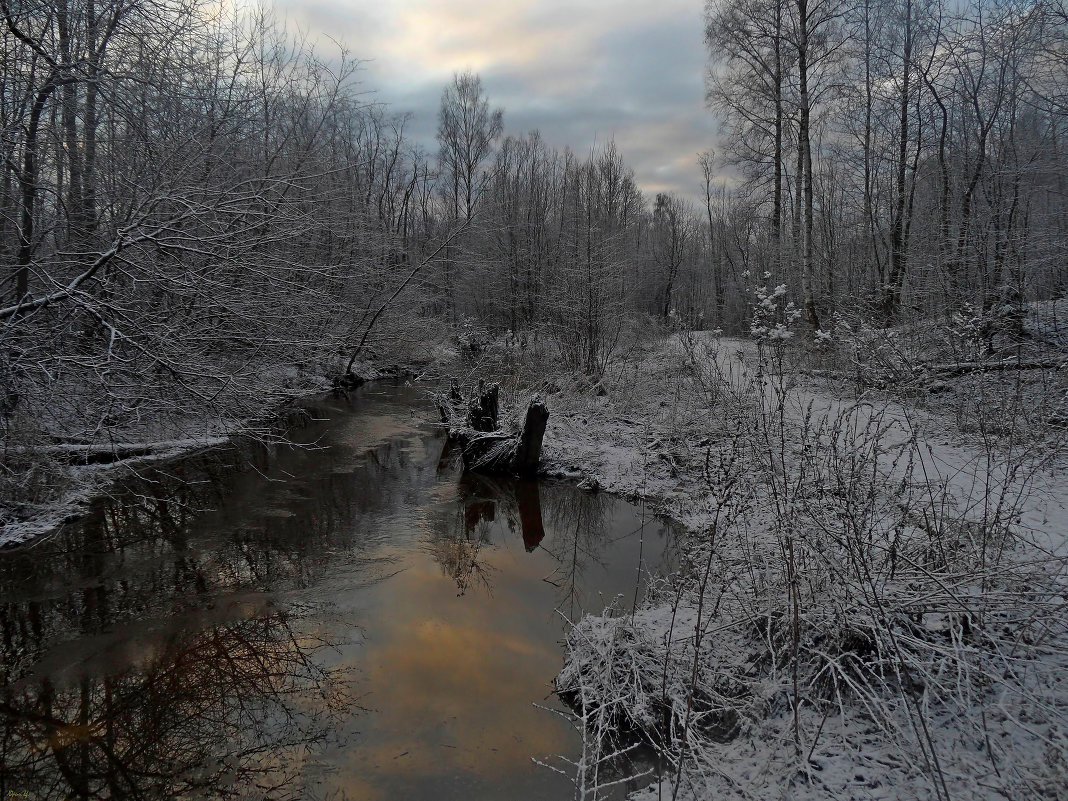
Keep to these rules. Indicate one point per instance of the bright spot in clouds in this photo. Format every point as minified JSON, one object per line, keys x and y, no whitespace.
{"x":582,"y":72}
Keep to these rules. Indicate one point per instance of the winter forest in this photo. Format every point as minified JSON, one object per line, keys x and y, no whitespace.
{"x":837,"y":366}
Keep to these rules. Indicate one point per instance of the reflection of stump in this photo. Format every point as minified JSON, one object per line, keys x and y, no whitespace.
{"x":479,"y":500}
{"x":528,"y":499}
{"x":475,"y":513}
{"x":485,"y":498}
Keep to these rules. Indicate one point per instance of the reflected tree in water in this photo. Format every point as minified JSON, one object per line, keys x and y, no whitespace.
{"x":461,"y":535}
{"x":212,"y":712}
{"x":142,"y":656}
{"x":584,"y":531}
{"x":572,"y":527}
{"x":579,"y":522}
{"x":463,"y":531}
{"x":158,"y":548}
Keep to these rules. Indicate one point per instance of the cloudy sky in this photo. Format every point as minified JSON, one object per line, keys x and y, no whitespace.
{"x":581,"y":71}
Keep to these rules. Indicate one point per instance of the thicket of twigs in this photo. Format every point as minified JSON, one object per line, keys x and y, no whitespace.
{"x":863,"y":614}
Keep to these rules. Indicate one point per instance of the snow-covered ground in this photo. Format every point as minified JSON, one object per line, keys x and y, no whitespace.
{"x":69,"y":475}
{"x":876,"y":594}
{"x":649,"y":435}
{"x":872,"y":601}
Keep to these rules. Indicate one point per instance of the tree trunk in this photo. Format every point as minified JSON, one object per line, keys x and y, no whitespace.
{"x":527,"y":455}
{"x":898,"y":244}
{"x":776,"y":200}
{"x":28,"y":181}
{"x":805,"y":143}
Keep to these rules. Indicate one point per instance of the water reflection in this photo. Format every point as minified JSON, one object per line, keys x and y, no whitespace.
{"x":208,"y":712}
{"x":482,"y":502}
{"x":357,"y":619}
{"x":584,"y":529}
{"x":519,"y":501}
{"x":165,"y":548}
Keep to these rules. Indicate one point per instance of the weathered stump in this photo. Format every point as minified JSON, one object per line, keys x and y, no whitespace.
{"x":527,"y":453}
{"x":484,"y":408}
{"x":484,"y":447}
{"x":497,"y":452}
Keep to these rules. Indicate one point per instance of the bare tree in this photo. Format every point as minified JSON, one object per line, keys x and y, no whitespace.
{"x":673,"y":241}
{"x":467,"y":131}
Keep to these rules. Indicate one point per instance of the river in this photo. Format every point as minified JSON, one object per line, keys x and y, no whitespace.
{"x":355,"y":618}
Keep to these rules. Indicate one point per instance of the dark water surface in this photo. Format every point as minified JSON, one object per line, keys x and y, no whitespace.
{"x":355,"y":620}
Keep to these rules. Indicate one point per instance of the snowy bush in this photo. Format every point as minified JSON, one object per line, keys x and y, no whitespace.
{"x":772,"y":313}
{"x":856,"y":616}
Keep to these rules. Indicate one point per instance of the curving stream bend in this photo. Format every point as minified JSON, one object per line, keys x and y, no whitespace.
{"x":357,"y":619}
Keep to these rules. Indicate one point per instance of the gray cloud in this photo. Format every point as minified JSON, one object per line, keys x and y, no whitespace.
{"x":580,"y":72}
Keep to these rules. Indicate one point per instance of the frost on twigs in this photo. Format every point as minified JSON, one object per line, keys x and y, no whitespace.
{"x":886,"y":620}
{"x":623,"y":658}
{"x":773,"y":314}
{"x":607,"y":747}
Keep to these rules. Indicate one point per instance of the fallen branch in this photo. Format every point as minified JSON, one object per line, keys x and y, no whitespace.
{"x":78,"y":453}
{"x":962,"y":368}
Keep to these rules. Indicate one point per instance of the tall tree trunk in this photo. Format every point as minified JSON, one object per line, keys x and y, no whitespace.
{"x":89,"y":125}
{"x":71,"y":145}
{"x":805,"y":143}
{"x":28,"y":185}
{"x":776,"y":200}
{"x":898,"y":244}
{"x":871,"y":245}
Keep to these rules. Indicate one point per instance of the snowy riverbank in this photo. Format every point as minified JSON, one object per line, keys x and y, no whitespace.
{"x":876,"y":598}
{"x":72,"y":475}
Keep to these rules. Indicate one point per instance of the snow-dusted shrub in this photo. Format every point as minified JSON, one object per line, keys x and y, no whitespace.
{"x":30,"y":478}
{"x":877,"y":618}
{"x":773,"y":314}
{"x":639,"y":668}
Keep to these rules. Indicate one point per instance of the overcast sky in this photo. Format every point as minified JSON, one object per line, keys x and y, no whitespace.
{"x":581,"y":71}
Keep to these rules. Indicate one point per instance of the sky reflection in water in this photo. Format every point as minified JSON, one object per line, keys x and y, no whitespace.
{"x":356,"y":620}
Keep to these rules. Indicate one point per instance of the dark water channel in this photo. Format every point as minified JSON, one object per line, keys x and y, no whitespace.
{"x":356,"y":620}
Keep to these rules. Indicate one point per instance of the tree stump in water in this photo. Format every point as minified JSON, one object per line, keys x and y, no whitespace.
{"x":449,"y":405}
{"x":484,"y":408}
{"x":486,"y":449}
{"x":527,"y":453}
